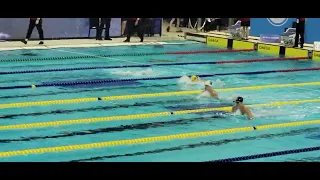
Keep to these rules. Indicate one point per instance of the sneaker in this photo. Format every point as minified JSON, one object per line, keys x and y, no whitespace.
{"x":127,"y":40}
{"x":108,"y":39}
{"x":41,"y":42}
{"x":24,"y":41}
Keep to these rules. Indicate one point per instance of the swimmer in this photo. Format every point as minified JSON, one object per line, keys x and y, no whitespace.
{"x":193,"y":80}
{"x":196,"y":79}
{"x":243,"y":109}
{"x":210,"y":90}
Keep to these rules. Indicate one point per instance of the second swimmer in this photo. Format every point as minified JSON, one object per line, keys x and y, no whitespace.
{"x":210,"y":90}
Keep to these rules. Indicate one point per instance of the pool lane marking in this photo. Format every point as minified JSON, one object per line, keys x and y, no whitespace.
{"x":120,"y":128}
{"x":143,"y":116}
{"x":106,"y":81}
{"x":208,"y":143}
{"x":153,"y":139}
{"x":137,"y":96}
{"x":152,"y":65}
{"x":99,"y":108}
{"x":123,"y":60}
{"x":212,"y":51}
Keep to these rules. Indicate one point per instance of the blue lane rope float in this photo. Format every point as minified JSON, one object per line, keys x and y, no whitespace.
{"x":150,"y":65}
{"x":72,"y":83}
{"x":265,"y":155}
{"x":125,"y":54}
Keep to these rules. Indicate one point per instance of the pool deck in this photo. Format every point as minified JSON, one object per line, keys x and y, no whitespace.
{"x":220,"y":39}
{"x":223,"y":40}
{"x":33,"y":44}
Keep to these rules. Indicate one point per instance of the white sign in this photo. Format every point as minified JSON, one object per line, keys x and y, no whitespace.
{"x":277,"y":21}
{"x":316,"y":46}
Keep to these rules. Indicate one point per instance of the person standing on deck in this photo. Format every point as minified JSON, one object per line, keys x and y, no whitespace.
{"x":135,"y":23}
{"x":300,"y":32}
{"x":104,"y":22}
{"x":245,"y":24}
{"x":34,"y":22}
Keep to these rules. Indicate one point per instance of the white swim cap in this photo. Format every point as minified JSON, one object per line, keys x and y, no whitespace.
{"x":208,"y":83}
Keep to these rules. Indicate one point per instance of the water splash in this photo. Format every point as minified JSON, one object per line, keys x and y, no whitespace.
{"x":148,"y":71}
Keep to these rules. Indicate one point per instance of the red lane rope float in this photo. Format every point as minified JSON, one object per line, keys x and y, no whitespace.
{"x":150,"y":65}
{"x":125,"y":54}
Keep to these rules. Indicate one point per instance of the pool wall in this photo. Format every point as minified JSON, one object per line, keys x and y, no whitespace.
{"x":271,"y":49}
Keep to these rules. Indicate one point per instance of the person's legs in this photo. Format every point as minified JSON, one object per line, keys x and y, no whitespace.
{"x":99,"y":29}
{"x":141,"y":30}
{"x":130,"y":26}
{"x":123,"y":26}
{"x":247,"y":30}
{"x":32,"y":24}
{"x":107,"y":30}
{"x":40,"y":31}
{"x":218,"y":24}
{"x":296,"y":39}
{"x":206,"y":27}
{"x":302,"y":29}
{"x":243,"y":32}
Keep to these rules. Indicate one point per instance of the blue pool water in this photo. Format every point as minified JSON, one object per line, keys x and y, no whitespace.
{"x":189,"y":149}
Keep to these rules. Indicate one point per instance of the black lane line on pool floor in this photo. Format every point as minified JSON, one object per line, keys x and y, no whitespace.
{"x":115,"y":129}
{"x":69,"y":111}
{"x":74,"y":91}
{"x":203,"y":144}
{"x":258,"y":76}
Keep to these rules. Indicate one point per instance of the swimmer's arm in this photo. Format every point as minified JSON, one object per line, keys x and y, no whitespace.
{"x":249,"y":114}
{"x":234,"y":109}
{"x":205,"y":89}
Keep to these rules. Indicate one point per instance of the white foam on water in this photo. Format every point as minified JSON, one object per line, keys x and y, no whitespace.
{"x":148,"y":71}
{"x":218,"y":84}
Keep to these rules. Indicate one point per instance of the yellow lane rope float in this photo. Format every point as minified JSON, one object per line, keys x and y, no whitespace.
{"x":136,"y":96}
{"x":142,"y":116}
{"x":153,"y":139}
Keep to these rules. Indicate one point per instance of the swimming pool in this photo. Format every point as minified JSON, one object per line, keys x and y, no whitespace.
{"x":71,"y":104}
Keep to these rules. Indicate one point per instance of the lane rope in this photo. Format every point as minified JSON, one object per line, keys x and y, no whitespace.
{"x":152,"y":65}
{"x":143,"y":116}
{"x":126,"y":54}
{"x":265,"y":155}
{"x":73,"y":83}
{"x":153,"y":139}
{"x":151,"y":95}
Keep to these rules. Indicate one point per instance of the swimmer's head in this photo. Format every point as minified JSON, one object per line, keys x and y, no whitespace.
{"x":208,"y":83}
{"x":238,"y":100}
{"x":194,"y":78}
